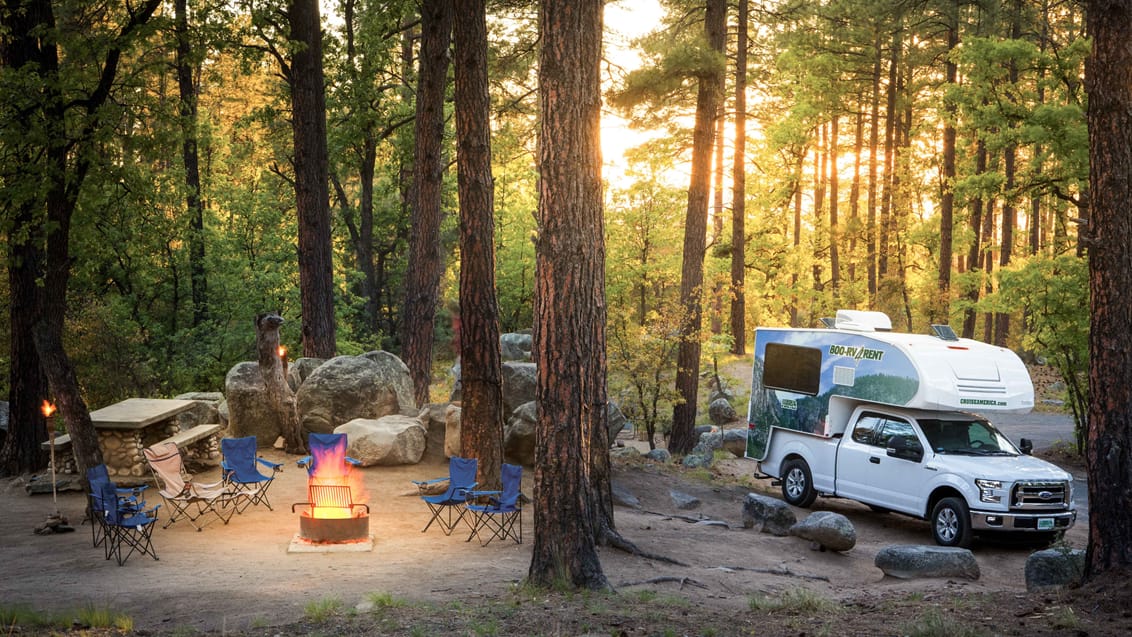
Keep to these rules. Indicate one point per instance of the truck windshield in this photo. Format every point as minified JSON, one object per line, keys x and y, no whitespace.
{"x":973,"y":437}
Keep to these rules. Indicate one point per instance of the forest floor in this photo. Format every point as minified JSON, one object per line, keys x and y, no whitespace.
{"x":240,"y":579}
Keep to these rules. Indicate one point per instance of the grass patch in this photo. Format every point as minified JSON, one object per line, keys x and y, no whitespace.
{"x":795,"y":600}
{"x":933,"y":623}
{"x":386,"y":600}
{"x":322,"y":609}
{"x":88,"y":616}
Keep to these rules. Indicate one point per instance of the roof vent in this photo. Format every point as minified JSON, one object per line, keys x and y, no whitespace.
{"x":863,"y":321}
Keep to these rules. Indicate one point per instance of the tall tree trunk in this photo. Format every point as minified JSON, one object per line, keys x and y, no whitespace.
{"x":975,"y":252}
{"x":1010,"y":197}
{"x":1108,"y":74}
{"x":739,"y":192}
{"x":834,"y":223}
{"x":312,"y":194}
{"x":874,"y":179}
{"x":988,"y":267}
{"x":717,"y":287}
{"x":890,"y":123}
{"x":481,"y":431}
{"x":27,"y":385}
{"x":940,"y":311}
{"x":695,"y":234}
{"x":855,"y":194}
{"x":569,"y":327}
{"x":426,"y":266}
{"x":198,"y":279}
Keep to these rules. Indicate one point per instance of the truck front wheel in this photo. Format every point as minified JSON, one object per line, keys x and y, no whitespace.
{"x":951,"y":523}
{"x":797,"y":484}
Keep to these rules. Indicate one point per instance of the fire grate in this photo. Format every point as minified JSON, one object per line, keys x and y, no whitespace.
{"x":332,"y":520}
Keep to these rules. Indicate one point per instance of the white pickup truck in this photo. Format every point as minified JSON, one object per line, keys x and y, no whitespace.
{"x":878,"y":417}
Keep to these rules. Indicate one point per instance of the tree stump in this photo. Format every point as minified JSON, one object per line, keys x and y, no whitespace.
{"x":273,"y":370}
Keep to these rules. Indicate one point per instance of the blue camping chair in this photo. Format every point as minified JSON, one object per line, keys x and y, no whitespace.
{"x":129,"y":499}
{"x":240,"y":466}
{"x":123,"y":533}
{"x":448,"y":508}
{"x":502,"y":512}
{"x":327,"y":448}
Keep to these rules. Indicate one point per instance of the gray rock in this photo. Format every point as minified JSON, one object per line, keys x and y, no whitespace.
{"x":735,"y":441}
{"x":301,"y":369}
{"x":624,"y":452}
{"x":435,"y":419}
{"x":4,"y":411}
{"x":343,"y":388}
{"x":769,"y":515}
{"x":832,"y":531}
{"x":250,"y":413}
{"x":721,"y":412}
{"x":684,"y":501}
{"x":911,"y":562}
{"x":515,"y":346}
{"x":699,"y":460}
{"x":453,"y":418}
{"x":659,"y":455}
{"x":709,"y":441}
{"x":624,"y":497}
{"x":518,"y":384}
{"x":1052,"y":569}
{"x":519,"y":435}
{"x":387,"y":441}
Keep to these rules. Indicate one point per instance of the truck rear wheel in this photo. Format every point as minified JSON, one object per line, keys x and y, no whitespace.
{"x":798,"y":484}
{"x":951,"y":523}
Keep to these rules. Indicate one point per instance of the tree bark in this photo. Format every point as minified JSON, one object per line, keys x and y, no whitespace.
{"x":739,"y":191}
{"x":1108,"y":76}
{"x":940,"y":311}
{"x":422,"y":278}
{"x":569,"y":328}
{"x":709,"y":94}
{"x":312,"y":190}
{"x":189,"y":156}
{"x":481,"y":430}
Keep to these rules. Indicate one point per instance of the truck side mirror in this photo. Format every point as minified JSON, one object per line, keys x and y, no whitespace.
{"x":1026,"y":445}
{"x":905,"y":448}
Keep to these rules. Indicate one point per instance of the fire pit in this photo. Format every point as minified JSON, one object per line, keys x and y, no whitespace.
{"x":332,"y":520}
{"x":332,"y":516}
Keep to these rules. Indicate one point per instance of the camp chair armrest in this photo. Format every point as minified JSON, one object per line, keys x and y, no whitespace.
{"x":304,"y":461}
{"x":354,"y":461}
{"x":433,"y":481}
{"x":274,"y":466}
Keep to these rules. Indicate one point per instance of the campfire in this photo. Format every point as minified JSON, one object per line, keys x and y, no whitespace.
{"x":334,"y":512}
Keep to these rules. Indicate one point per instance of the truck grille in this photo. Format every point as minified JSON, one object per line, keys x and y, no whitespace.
{"x":1039,"y":496}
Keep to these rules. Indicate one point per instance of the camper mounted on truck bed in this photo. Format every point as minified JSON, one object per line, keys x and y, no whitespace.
{"x":858,"y":411}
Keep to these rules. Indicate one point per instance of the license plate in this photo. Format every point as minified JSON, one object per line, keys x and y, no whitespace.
{"x":1045,"y":524}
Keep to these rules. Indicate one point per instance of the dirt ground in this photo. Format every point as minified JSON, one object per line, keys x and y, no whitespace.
{"x":241,"y":577}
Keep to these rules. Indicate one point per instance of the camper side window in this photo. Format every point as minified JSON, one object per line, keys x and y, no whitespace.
{"x":864,"y":431}
{"x":792,"y":368}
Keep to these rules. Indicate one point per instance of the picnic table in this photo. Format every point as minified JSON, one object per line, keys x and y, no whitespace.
{"x":126,"y":428}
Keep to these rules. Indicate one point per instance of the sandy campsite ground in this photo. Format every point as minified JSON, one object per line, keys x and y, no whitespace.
{"x":241,"y":576}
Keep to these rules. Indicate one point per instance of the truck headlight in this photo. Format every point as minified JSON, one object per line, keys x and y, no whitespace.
{"x":989,"y":490}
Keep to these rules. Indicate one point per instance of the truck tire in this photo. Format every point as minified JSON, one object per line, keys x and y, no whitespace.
{"x":951,"y":523}
{"x":798,"y":484}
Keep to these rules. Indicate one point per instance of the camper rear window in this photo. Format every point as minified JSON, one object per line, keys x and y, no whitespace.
{"x":792,"y":368}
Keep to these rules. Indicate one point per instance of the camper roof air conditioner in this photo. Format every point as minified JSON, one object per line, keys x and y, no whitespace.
{"x":863,"y":321}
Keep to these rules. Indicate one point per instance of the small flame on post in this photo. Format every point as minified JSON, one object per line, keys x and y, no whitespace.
{"x":47,"y":408}
{"x":283,"y":352}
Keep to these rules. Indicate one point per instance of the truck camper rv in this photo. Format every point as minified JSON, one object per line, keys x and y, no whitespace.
{"x":857,"y":411}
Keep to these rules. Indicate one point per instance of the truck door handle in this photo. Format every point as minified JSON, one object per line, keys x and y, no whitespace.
{"x":874,"y":459}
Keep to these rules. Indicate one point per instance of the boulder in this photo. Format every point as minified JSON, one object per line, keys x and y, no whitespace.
{"x":721,"y":412}
{"x":735,"y":441}
{"x":699,"y":459}
{"x":250,"y":413}
{"x":343,"y":388}
{"x":624,"y":452}
{"x":387,"y":441}
{"x":659,"y":455}
{"x":1052,"y":569}
{"x":519,"y":435}
{"x":300,"y":370}
{"x":435,"y":419}
{"x":912,"y":562}
{"x":683,"y":500}
{"x":623,"y":496}
{"x":831,"y":531}
{"x":515,"y":346}
{"x":709,"y":441}
{"x":518,"y":384}
{"x":769,"y":515}
{"x":205,"y":410}
{"x":452,"y":419}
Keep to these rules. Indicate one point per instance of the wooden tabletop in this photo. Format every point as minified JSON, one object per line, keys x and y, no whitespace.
{"x":137,"y":413}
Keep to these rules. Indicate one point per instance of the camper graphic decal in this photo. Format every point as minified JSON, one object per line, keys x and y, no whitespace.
{"x":805,"y":368}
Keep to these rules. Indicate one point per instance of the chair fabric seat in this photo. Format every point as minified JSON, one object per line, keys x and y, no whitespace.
{"x":448,"y":509}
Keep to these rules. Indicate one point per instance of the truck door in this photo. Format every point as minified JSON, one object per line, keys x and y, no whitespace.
{"x":867,"y":473}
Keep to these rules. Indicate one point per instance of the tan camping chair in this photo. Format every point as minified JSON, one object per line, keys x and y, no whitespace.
{"x":187,"y":499}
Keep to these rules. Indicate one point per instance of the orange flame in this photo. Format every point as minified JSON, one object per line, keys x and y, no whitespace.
{"x":47,"y":408}
{"x":331,"y":468}
{"x":282,"y":351}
